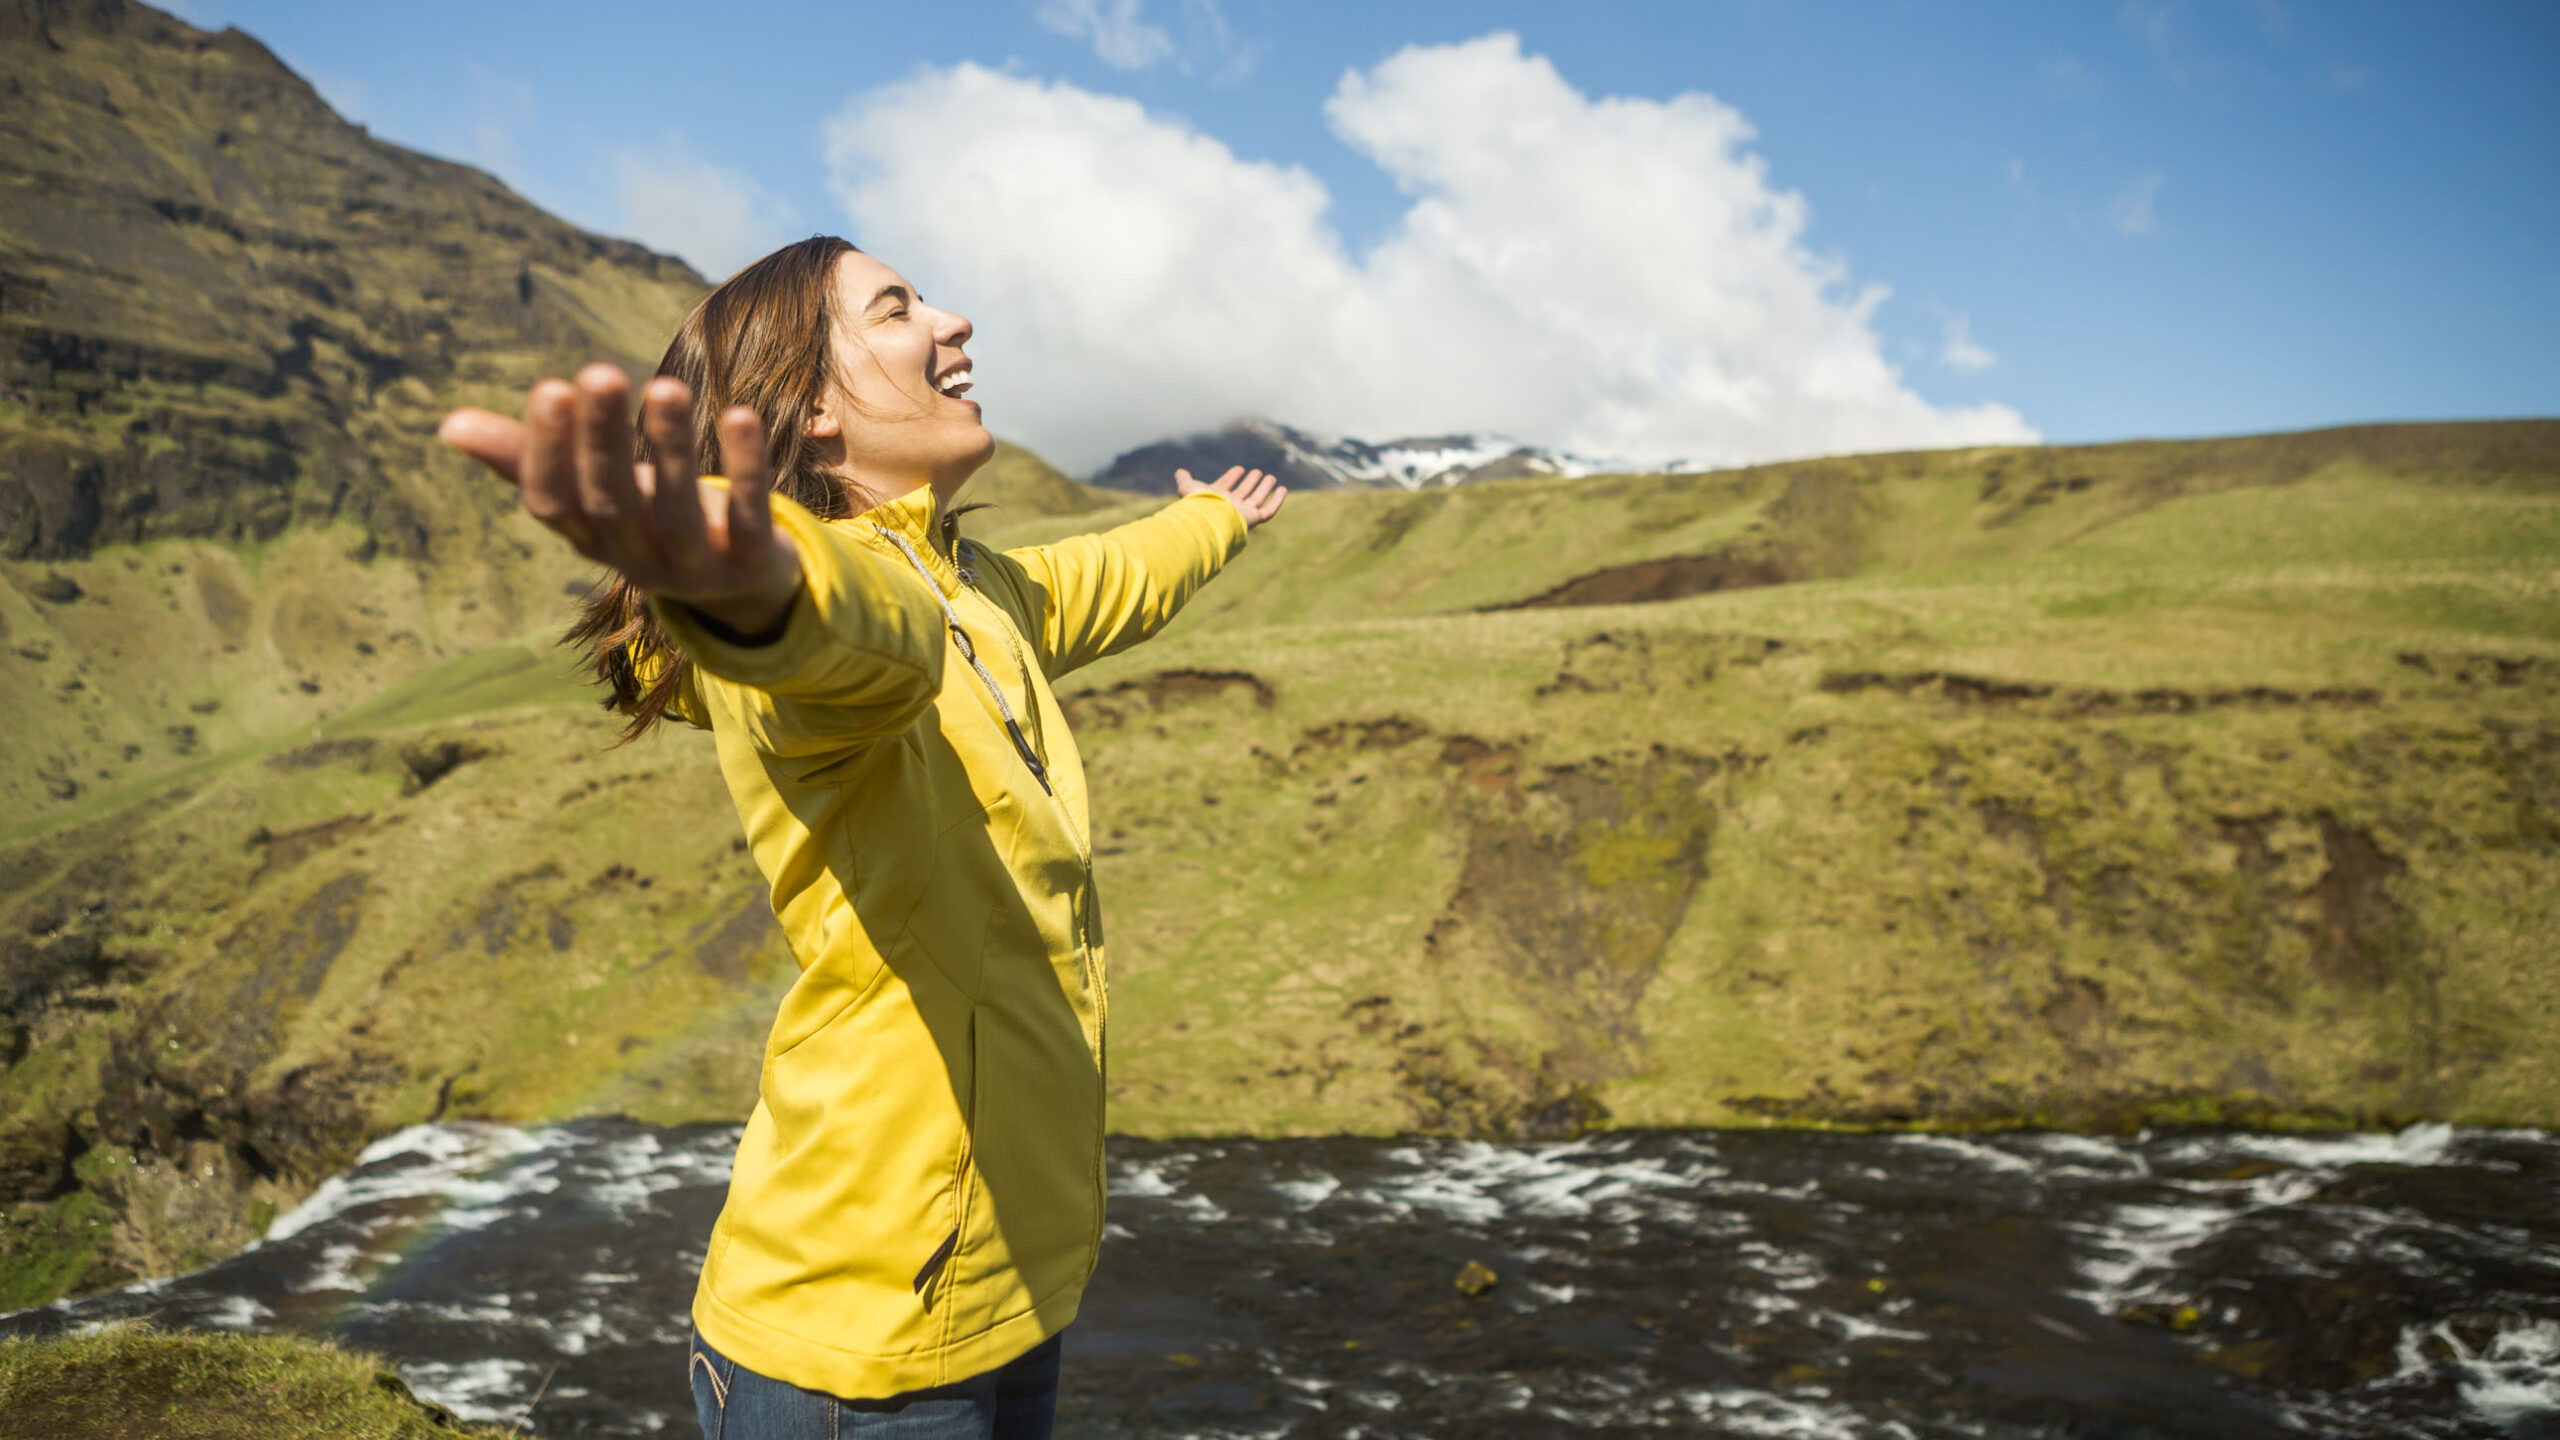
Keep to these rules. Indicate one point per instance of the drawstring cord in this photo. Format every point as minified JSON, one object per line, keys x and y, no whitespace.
{"x":969,"y":652}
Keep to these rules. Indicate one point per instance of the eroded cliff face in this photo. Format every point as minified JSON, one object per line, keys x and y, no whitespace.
{"x":1842,"y":897}
{"x":224,"y":309}
{"x":228,"y":322}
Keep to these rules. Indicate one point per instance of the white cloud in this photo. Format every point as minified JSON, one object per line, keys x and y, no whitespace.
{"x":1960,"y":351}
{"x":1123,"y":39}
{"x":718,"y":219}
{"x":1120,"y":39}
{"x":1614,"y":277}
{"x":2130,"y":212}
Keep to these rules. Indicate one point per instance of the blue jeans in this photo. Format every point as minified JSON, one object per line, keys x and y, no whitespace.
{"x":1011,"y":1402}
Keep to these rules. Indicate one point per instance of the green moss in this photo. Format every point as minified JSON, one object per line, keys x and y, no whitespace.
{"x":50,"y":1248}
{"x":134,"y":1383}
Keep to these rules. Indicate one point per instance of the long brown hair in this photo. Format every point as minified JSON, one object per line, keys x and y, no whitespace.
{"x":760,"y":340}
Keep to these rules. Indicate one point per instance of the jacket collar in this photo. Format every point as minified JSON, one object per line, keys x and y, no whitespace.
{"x":915,"y":516}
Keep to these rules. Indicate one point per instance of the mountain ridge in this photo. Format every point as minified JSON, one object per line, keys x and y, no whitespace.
{"x":220,"y":302}
{"x":1306,"y":461}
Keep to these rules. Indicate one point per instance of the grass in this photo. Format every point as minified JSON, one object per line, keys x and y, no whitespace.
{"x":2171,"y":794}
{"x":135,"y":1383}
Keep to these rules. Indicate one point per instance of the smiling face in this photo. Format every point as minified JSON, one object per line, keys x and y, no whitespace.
{"x":896,"y":413}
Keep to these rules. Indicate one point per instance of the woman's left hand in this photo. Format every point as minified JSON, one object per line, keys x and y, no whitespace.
{"x":1256,"y":495}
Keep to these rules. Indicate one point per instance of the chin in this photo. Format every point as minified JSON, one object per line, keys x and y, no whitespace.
{"x":965,"y":458}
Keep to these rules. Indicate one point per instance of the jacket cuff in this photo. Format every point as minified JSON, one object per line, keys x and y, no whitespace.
{"x":729,"y":635}
{"x":1227,"y":516}
{"x":765,"y":660}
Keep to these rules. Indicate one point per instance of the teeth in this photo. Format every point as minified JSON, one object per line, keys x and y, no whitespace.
{"x":955,"y":383}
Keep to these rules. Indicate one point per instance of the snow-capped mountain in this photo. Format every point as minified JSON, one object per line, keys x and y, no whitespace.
{"x":1304,"y":461}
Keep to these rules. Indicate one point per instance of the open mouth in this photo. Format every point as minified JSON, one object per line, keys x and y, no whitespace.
{"x":956,"y":381}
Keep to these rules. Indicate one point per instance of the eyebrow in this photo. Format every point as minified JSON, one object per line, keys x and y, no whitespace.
{"x":901,"y":292}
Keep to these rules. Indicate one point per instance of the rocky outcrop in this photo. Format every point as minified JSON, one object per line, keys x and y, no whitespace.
{"x":214,"y":290}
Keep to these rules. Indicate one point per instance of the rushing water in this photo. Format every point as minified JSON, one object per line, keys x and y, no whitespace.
{"x":1767,"y":1284}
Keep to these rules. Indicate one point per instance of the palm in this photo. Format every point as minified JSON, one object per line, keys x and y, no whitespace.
{"x":571,"y":460}
{"x":1257,"y":496}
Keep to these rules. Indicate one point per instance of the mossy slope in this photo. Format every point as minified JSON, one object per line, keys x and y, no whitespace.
{"x":133,"y":1383}
{"x":2182,"y":797}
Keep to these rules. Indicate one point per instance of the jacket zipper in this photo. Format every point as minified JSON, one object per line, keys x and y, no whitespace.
{"x":969,"y":652}
{"x":1040,"y":772}
{"x":1084,"y":930}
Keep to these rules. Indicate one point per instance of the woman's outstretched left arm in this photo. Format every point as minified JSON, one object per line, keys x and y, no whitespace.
{"x":1094,"y":595}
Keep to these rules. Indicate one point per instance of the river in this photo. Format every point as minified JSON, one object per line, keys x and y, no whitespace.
{"x":1760,"y":1284}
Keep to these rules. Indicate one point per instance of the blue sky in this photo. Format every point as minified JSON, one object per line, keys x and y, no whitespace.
{"x":2088,"y":222}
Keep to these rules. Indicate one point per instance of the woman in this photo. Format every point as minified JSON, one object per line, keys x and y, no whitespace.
{"x":917,"y":1201}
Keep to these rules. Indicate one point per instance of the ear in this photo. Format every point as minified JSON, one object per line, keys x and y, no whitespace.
{"x":823,"y":422}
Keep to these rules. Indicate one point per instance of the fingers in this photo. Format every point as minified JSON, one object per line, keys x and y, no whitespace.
{"x":748,"y":516}
{"x":675,"y":510}
{"x":1257,"y":494}
{"x":606,"y":489}
{"x":485,"y":436}
{"x":548,"y":478}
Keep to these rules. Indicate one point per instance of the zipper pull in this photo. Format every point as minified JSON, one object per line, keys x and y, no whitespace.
{"x":1030,"y":756}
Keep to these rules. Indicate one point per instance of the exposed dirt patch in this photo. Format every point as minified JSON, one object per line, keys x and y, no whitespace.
{"x":2363,"y":938}
{"x":1573,"y":882}
{"x":297,"y":946}
{"x":725,"y":952}
{"x":2078,"y":702}
{"x":2506,"y":672}
{"x":1671,"y":578}
{"x":358,"y":753}
{"x":1646,"y":662}
{"x":1110,"y":709}
{"x":1573,"y":878}
{"x":1386,"y":734}
{"x":520,"y":904}
{"x":279,"y":852}
{"x":431,"y":761}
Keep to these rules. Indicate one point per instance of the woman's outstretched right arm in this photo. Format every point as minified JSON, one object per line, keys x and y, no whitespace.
{"x":822,"y":644}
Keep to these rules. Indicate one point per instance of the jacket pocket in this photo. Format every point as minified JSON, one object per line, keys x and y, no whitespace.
{"x":885,"y":915}
{"x":1031,"y":1213}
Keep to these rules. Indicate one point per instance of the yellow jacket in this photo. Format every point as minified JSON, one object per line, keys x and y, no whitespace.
{"x":918,"y":1195}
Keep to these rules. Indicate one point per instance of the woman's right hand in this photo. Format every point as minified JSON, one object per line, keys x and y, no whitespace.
{"x":570,"y":460}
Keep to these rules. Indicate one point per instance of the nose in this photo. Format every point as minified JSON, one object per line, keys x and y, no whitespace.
{"x":952,"y":329}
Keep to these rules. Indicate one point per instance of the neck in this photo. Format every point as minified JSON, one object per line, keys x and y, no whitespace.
{"x":866,"y":488}
{"x":862,"y":492}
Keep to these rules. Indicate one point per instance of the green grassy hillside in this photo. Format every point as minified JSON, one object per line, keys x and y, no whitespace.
{"x":2080,"y":786}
